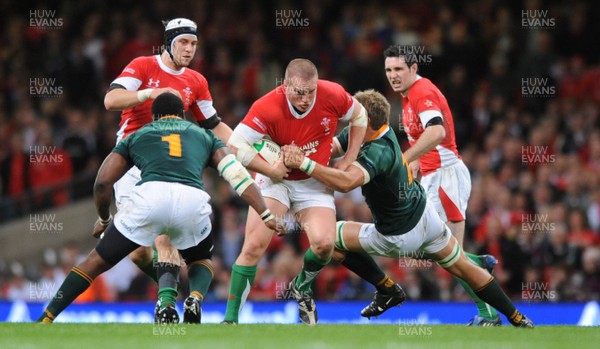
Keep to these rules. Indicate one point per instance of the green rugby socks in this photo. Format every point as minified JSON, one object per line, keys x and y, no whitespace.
{"x":242,"y":278}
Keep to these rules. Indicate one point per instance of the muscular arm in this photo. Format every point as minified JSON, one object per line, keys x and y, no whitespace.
{"x":223,"y":131}
{"x":356,"y":134}
{"x":431,"y":137}
{"x":250,"y":194}
{"x":113,"y":168}
{"x":342,"y":181}
{"x":237,"y":176}
{"x":247,"y":154}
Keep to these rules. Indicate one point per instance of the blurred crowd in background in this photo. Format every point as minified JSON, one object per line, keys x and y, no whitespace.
{"x":522,"y":80}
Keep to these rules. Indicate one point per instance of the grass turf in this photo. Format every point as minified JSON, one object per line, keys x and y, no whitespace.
{"x":113,"y":336}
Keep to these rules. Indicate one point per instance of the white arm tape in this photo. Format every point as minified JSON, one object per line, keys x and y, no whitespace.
{"x":245,"y":151}
{"x":361,"y":120}
{"x":144,"y":95}
{"x":364,"y":171}
{"x":234,"y":173}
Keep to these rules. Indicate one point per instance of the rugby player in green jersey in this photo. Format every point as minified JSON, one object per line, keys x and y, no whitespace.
{"x":405,"y":223}
{"x":172,"y":154}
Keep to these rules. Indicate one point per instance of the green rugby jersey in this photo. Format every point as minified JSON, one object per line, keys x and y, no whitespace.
{"x":395,"y":199}
{"x":170,"y":150}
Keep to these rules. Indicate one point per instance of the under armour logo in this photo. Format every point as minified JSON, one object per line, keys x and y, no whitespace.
{"x":152,"y":83}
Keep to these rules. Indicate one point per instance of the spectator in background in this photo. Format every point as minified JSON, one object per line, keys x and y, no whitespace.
{"x":580,"y":233}
{"x":50,"y":171}
{"x":14,"y":173}
{"x":591,"y":274}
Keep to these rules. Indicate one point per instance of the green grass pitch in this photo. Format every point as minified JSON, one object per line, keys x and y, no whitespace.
{"x":113,"y":336}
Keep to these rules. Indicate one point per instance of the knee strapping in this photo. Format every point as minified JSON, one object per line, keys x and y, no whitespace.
{"x":339,"y":238}
{"x":452,"y":258}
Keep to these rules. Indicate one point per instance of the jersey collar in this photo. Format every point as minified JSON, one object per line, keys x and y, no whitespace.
{"x":303,"y":115}
{"x":167,"y":69}
{"x":380,"y":133}
{"x":411,"y":86}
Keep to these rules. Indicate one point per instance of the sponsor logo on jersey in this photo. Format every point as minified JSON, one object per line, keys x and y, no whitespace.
{"x":152,"y":83}
{"x":428,"y":103}
{"x":309,"y":148}
{"x":129,"y":70}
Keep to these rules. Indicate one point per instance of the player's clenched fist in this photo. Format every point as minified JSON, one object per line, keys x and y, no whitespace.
{"x":292,"y":156}
{"x":100,"y":226}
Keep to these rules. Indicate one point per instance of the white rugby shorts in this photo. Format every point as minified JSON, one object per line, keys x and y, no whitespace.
{"x":125,"y":185}
{"x":448,"y":189}
{"x":297,"y":195}
{"x":430,"y":235}
{"x":179,"y":211}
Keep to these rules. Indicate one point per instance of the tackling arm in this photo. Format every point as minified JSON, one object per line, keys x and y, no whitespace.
{"x":223,"y":131}
{"x":246,"y":154}
{"x":239,"y":178}
{"x":113,"y":168}
{"x":341,"y":180}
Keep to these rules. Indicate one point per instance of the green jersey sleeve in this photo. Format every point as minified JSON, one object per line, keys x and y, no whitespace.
{"x":343,"y":138}
{"x":374,"y":159}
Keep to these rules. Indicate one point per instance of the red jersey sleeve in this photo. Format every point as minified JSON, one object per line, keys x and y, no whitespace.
{"x":427,"y":107}
{"x":133,"y":74}
{"x":256,"y":118}
{"x":202,"y":108}
{"x":341,"y":101}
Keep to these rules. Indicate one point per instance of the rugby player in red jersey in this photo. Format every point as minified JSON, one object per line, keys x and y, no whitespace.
{"x":303,"y":111}
{"x":429,"y":126}
{"x":133,"y":91}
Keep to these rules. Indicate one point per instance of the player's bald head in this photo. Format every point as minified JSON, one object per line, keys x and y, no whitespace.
{"x":377,"y":106}
{"x":301,"y":69}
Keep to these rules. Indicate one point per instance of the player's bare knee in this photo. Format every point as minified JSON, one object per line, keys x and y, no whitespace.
{"x":323,"y":248}
{"x":252,"y":251}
